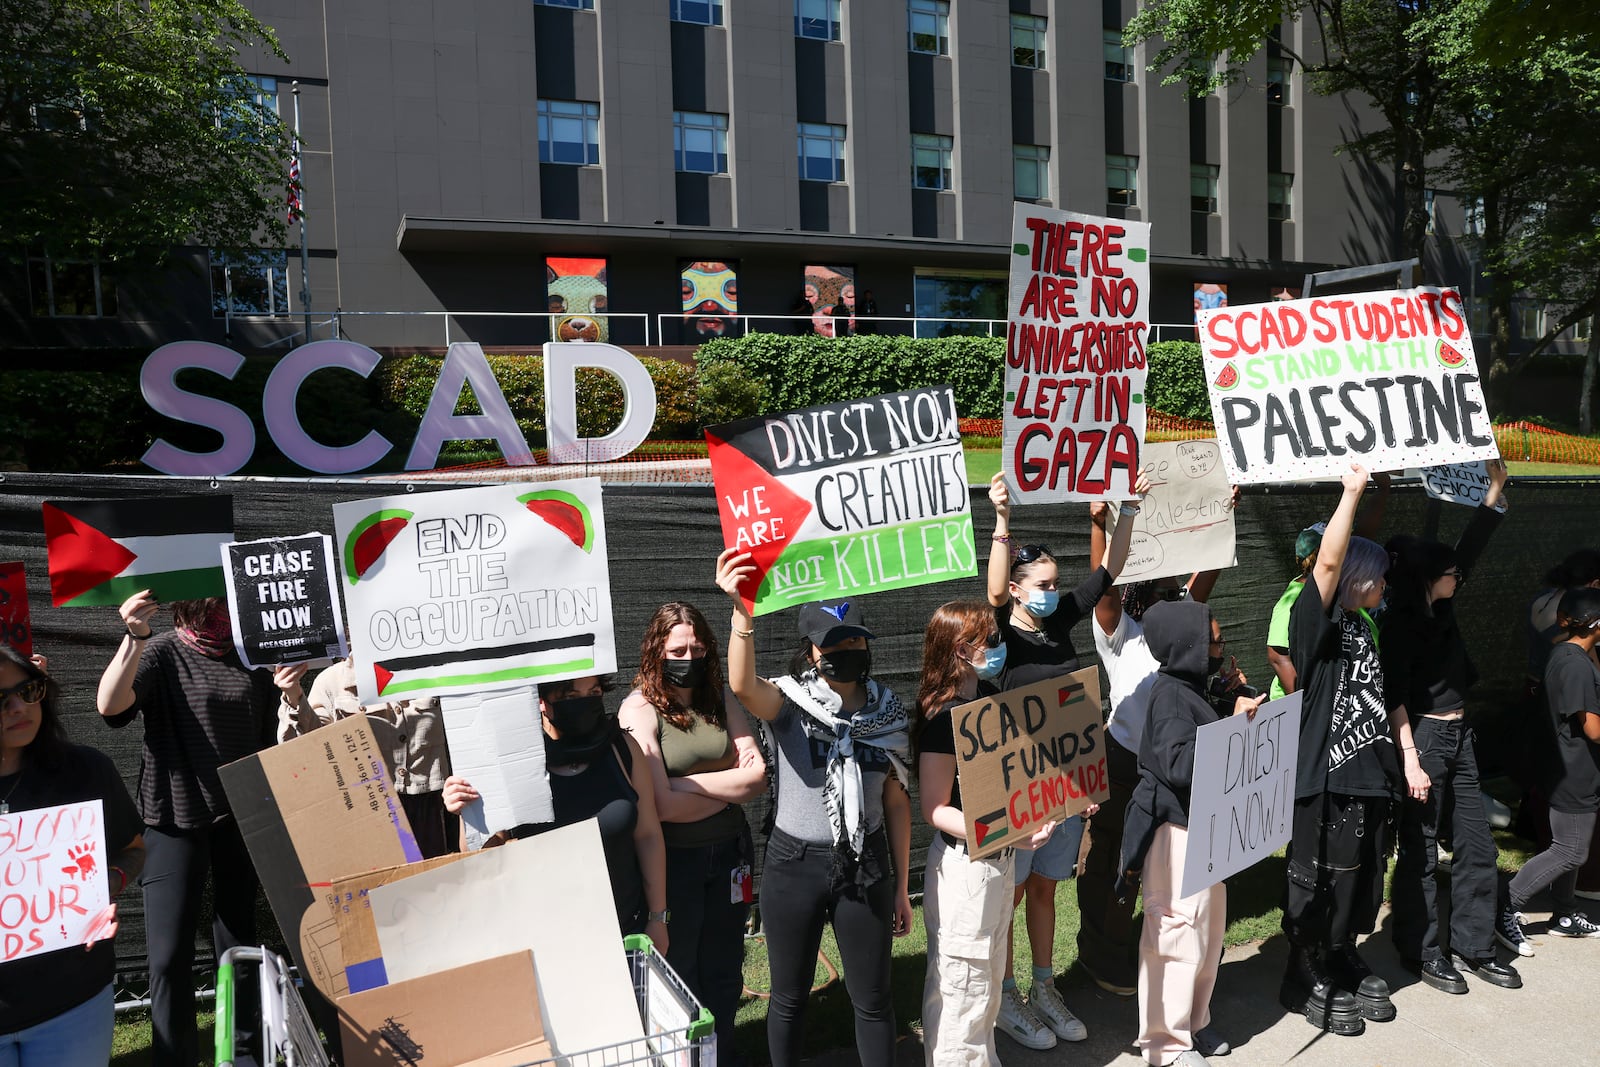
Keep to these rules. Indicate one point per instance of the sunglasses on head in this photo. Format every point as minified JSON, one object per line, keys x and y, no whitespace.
{"x":29,"y":692}
{"x":991,"y":640}
{"x":1029,"y":553}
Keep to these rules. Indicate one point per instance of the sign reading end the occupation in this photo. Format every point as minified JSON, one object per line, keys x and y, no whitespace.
{"x":282,"y":602}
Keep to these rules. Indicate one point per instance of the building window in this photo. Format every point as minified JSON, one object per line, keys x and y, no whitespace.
{"x":1203,"y":188}
{"x":817,"y":19}
{"x":1280,"y":196}
{"x":1429,"y":199}
{"x":974,"y":299}
{"x":1583,"y":329}
{"x":700,"y":12}
{"x":1027,"y":41}
{"x":1472,"y":217}
{"x":70,"y":289}
{"x":1122,"y":181}
{"x":930,"y":161}
{"x":821,"y":152}
{"x":1119,"y":60}
{"x":1030,"y":171}
{"x":1280,"y":80}
{"x":257,"y":284}
{"x":569,"y":132}
{"x":576,"y":5}
{"x":1530,"y":319}
{"x":930,"y":26}
{"x":255,"y":110}
{"x":700,"y":142}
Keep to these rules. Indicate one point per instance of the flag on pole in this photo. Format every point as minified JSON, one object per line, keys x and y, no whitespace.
{"x":296,"y":204}
{"x":101,"y":552}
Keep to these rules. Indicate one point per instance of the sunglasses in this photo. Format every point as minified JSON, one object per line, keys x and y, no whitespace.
{"x":1219,"y":642}
{"x":991,"y":641}
{"x":29,"y":692}
{"x":1457,"y":573}
{"x":1028,"y":553}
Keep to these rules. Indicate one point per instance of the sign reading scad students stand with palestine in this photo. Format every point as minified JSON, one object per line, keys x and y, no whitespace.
{"x":1301,"y":389}
{"x":1079,"y":316}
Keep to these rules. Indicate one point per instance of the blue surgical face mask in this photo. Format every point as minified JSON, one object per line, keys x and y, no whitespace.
{"x":994,"y":661}
{"x":1041,"y":602}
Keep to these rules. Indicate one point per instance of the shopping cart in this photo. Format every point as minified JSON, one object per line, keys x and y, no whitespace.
{"x":288,"y":1036}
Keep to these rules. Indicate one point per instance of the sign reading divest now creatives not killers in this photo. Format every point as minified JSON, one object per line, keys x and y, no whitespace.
{"x":469,"y":590}
{"x":847,"y":498}
{"x":1029,"y":756}
{"x":1303,"y":388}
{"x":1075,"y":355}
{"x":282,"y":600}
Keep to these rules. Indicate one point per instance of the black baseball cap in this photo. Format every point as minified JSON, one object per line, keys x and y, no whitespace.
{"x":827,"y":623}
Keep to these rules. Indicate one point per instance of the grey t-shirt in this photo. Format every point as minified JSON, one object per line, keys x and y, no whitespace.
{"x":802,"y":769}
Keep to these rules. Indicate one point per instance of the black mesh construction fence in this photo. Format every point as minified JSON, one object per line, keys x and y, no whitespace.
{"x":664,"y":541}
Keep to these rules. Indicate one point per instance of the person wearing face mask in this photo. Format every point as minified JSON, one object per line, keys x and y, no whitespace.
{"x":705,"y":764}
{"x":842,"y":745}
{"x":597,"y":771}
{"x":201,"y":709}
{"x":1035,"y":624}
{"x":967,"y":903}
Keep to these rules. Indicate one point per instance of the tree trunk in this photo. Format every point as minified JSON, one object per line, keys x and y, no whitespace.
{"x":1497,"y":383}
{"x":1591,"y":357}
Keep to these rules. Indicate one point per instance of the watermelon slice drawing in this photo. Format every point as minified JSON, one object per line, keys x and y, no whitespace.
{"x":1449,"y":356}
{"x":565,"y":512}
{"x":1228,"y":378}
{"x":369,"y":538}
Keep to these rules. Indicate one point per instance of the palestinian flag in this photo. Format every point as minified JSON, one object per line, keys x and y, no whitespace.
{"x":989,"y":828}
{"x":1068,"y":695}
{"x":102,"y":552}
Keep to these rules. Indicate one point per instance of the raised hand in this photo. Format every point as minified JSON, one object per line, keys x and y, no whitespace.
{"x":137,"y":610}
{"x":1355,"y":479}
{"x":733,"y":570}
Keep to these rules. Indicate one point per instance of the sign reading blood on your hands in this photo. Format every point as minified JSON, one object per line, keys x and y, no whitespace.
{"x":54,"y":885}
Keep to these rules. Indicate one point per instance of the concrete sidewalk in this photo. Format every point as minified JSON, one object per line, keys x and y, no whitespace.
{"x":1553,"y":1019}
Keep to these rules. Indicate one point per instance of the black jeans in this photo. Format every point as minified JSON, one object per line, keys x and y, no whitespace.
{"x":1336,"y":866}
{"x":1108,"y":938}
{"x":802,"y":888}
{"x":1557,"y":866}
{"x":705,"y":943}
{"x":1445,"y":749}
{"x":174,"y":880}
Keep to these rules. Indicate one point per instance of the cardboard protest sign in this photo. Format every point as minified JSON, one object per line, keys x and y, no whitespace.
{"x":1079,"y":314}
{"x":54,"y":862}
{"x":497,"y":744}
{"x":1185,"y":523}
{"x":101,"y":552}
{"x":1459,"y":483}
{"x":1301,"y":389}
{"x":349,"y":899}
{"x":16,"y":625}
{"x":476,"y":589}
{"x":1028,"y":756}
{"x":1241,"y":805}
{"x":854,"y":497}
{"x":282,"y":602}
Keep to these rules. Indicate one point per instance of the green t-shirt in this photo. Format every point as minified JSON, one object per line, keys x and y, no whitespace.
{"x":1278,"y":629}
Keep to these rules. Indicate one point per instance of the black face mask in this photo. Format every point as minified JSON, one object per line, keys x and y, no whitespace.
{"x":1213,"y":665}
{"x":846,"y":664}
{"x":684,"y":673}
{"x":581,"y":721}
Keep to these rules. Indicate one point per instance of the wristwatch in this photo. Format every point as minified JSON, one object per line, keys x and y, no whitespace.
{"x":663,"y":917}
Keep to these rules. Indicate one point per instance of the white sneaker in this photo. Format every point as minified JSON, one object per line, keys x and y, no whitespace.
{"x":1018,"y":1022}
{"x":1189,"y":1058}
{"x":1046,"y":1003}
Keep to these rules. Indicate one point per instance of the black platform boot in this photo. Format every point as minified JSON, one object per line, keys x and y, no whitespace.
{"x":1309,"y":988}
{"x":1351,"y":972}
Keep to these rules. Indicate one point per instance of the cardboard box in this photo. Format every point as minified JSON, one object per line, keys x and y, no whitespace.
{"x":480,"y":1015}
{"x":358,"y":936}
{"x":318,"y":808}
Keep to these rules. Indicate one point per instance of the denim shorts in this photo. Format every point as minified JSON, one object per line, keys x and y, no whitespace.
{"x":1057,"y":858}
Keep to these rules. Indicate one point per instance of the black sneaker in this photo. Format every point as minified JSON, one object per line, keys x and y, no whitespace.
{"x":1309,"y":988}
{"x":1351,"y":972}
{"x":1576,"y":924}
{"x":1440,"y":975}
{"x":1492,"y":971}
{"x":1508,"y":931}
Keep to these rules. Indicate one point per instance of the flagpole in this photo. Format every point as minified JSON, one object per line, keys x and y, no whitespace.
{"x":300,"y":211}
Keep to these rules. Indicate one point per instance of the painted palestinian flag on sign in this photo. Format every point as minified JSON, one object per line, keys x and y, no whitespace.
{"x":101,"y":552}
{"x":990,"y":828}
{"x":845,"y":499}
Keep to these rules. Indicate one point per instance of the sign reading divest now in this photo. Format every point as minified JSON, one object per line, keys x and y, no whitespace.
{"x":1075,"y":355}
{"x":1301,"y":389}
{"x":470,"y":590}
{"x":846,"y":498}
{"x":283,"y":604}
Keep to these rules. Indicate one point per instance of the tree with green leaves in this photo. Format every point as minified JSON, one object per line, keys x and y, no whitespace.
{"x":127,"y":129}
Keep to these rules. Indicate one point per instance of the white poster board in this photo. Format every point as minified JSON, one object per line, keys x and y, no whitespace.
{"x":1185,"y":523}
{"x":469,"y":590}
{"x":497,"y":743}
{"x":1458,"y":483}
{"x":54,"y":868}
{"x":1241,"y":806}
{"x":1301,"y":389}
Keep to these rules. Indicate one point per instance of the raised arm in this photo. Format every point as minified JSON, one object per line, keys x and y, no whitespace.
{"x":1117,"y":554}
{"x":1108,"y":609}
{"x":1370,"y":520}
{"x":1484,"y":522}
{"x":759,"y":696}
{"x":1336,"y":538}
{"x":999,"y":574}
{"x":115,"y":694}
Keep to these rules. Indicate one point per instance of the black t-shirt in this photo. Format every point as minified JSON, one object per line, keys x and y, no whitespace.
{"x":1572,"y":689}
{"x":1345,"y":746}
{"x":1033,"y":657}
{"x":41,"y":987}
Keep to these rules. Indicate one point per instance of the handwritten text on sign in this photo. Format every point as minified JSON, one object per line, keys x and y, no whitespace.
{"x":1075,"y":355}
{"x":52,"y":877}
{"x":1300,"y":389}
{"x":1029,"y":756}
{"x":1186,"y":522}
{"x":1459,"y":483}
{"x":1241,"y":806}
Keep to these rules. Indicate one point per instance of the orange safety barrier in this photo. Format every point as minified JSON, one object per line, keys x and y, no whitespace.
{"x":1159,"y":426}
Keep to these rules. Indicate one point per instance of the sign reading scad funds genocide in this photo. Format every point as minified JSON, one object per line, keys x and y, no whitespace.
{"x":1079,"y":315}
{"x":283,"y":601}
{"x":1301,"y":389}
{"x":847,"y":498}
{"x":470,"y":590}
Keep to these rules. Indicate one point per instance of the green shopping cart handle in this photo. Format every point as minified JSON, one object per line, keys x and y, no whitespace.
{"x":224,"y":1022}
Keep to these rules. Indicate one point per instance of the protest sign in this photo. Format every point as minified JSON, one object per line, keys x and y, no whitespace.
{"x":1185,"y":522}
{"x":282,"y":602}
{"x":1079,"y":314}
{"x":476,"y":589}
{"x":1459,"y":483}
{"x":101,"y":552}
{"x":497,"y":744}
{"x":854,"y":497}
{"x":1301,"y":389}
{"x":16,"y":626}
{"x":1241,"y":805}
{"x":55,"y":885}
{"x":1029,"y":756}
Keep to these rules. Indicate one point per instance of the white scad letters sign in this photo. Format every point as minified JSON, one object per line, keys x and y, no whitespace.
{"x":561,"y":362}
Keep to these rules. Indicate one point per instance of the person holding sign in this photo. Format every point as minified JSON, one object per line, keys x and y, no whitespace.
{"x":967,"y":903}
{"x":56,"y":1006}
{"x":1344,"y":781}
{"x":1180,"y":949}
{"x":841,"y":811}
{"x":1035,"y":623}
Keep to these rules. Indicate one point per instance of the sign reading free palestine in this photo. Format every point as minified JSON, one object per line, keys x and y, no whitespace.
{"x":847,"y":498}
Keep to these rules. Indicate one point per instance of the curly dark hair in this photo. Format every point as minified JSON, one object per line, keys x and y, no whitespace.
{"x":705,"y":699}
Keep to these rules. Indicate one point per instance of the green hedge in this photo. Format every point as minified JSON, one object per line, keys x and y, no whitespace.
{"x":1177,"y":382}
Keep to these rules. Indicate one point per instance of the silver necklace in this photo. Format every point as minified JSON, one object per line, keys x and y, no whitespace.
{"x":5,"y":801}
